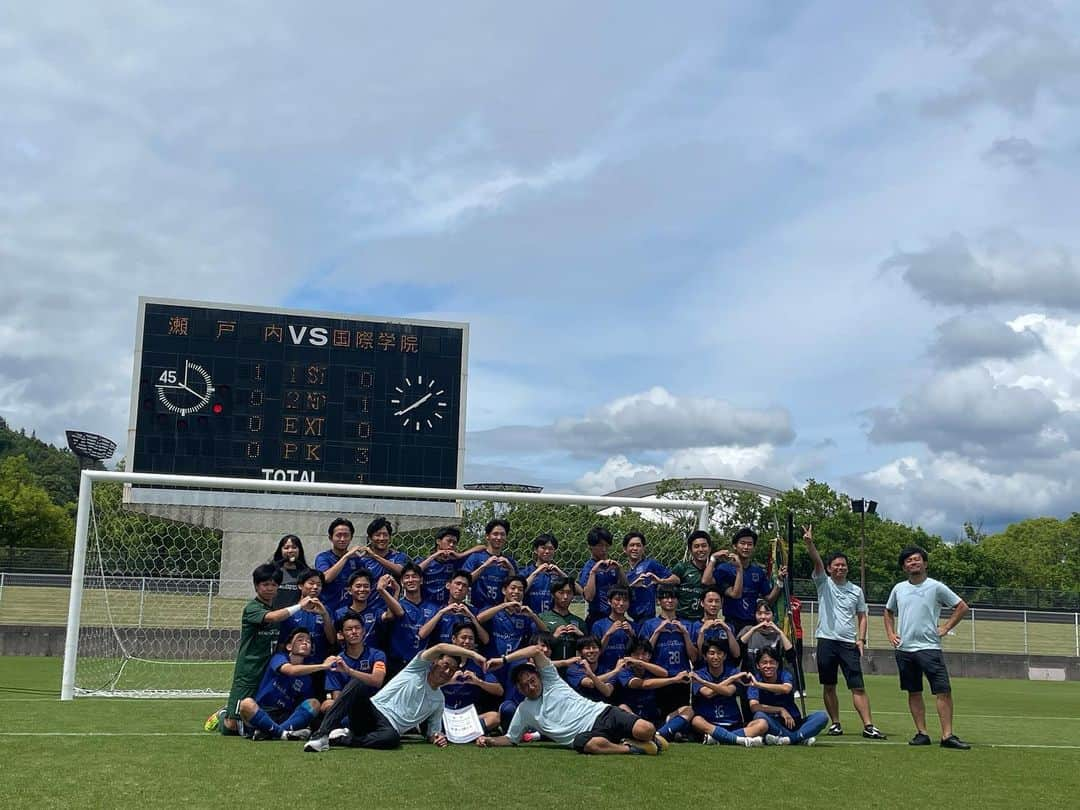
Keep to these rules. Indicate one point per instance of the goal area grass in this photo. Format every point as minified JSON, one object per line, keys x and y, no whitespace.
{"x":97,"y":752}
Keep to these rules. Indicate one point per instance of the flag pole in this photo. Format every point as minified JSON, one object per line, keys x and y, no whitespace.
{"x":800,"y":676}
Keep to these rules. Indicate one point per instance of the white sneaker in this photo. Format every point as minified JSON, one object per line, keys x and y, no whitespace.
{"x":316,"y":745}
{"x":753,"y":742}
{"x":809,"y":741}
{"x":296,"y":734}
{"x":773,"y":739}
{"x":709,"y":740}
{"x":340,"y":736}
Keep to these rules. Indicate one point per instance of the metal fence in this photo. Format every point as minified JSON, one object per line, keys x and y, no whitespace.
{"x":41,"y":599}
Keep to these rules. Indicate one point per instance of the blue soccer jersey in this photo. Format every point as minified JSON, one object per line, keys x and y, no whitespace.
{"x":618,"y":644}
{"x":605,"y":579}
{"x":574,"y":675}
{"x":280,"y":691}
{"x":365,"y":662}
{"x":755,"y":585}
{"x":538,"y":596}
{"x":669,"y":649}
{"x":405,"y":631}
{"x":458,"y":695}
{"x":719,"y":709}
{"x":336,"y":594}
{"x":377,"y":570}
{"x":487,"y":586}
{"x":717,"y":632}
{"x":767,"y":698}
{"x":643,"y":597}
{"x":315,"y":624}
{"x":436,"y":575}
{"x":369,"y":616}
{"x":642,"y":702}
{"x":508,"y":631}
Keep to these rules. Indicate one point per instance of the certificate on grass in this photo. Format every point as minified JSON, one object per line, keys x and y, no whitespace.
{"x":462,"y":725}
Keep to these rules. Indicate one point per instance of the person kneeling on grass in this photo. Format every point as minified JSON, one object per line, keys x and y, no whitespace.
{"x":412,"y":698}
{"x":771,"y":700}
{"x":285,"y":703}
{"x":567,"y":718}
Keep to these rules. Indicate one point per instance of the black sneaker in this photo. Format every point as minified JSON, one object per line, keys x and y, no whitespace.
{"x":834,"y":730}
{"x":872,"y":732}
{"x":952,"y":741}
{"x":920,"y":739}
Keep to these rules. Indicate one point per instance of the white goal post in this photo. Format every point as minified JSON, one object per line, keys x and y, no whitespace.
{"x":161,"y":565}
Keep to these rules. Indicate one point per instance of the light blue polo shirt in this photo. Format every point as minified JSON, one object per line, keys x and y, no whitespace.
{"x":559,"y":713}
{"x":408,"y":700}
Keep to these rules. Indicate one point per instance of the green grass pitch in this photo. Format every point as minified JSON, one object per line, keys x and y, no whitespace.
{"x":116,"y":753}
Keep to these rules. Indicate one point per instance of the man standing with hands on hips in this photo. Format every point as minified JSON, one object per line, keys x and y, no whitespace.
{"x":911,"y":623}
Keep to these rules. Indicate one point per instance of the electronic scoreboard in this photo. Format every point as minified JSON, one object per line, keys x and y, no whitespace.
{"x":234,"y":391}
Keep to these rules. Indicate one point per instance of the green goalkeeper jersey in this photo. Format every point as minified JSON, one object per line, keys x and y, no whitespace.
{"x":258,"y":638}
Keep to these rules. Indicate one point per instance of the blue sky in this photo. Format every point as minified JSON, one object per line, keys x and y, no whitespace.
{"x":745,"y":240}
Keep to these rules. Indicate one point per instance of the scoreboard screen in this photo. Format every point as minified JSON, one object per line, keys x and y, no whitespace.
{"x":231,"y":391}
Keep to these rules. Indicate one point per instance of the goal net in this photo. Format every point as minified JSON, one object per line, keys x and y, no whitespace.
{"x":162,"y":564}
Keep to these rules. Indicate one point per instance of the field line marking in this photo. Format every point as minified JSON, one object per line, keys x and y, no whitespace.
{"x":1024,"y":717}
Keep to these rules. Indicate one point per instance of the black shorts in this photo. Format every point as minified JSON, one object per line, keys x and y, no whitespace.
{"x":913,"y":665}
{"x":613,"y":724}
{"x":832,"y":654}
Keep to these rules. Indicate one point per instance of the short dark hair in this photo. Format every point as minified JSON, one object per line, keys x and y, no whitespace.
{"x":265,"y":573}
{"x":340,"y":521}
{"x":586,"y":641}
{"x":358,"y":574}
{"x":544,"y":539}
{"x":836,"y":555}
{"x":769,"y":652}
{"x":714,"y":642}
{"x":699,"y":534}
{"x":641,"y":644}
{"x":310,"y":573}
{"x":545,"y":638}
{"x":378,"y":524}
{"x":630,"y":536}
{"x":457,"y":628}
{"x":618,"y":590}
{"x":411,"y":566}
{"x":453,"y":531}
{"x":598,"y":534}
{"x":515,"y":578}
{"x":911,"y":550}
{"x":491,"y":524}
{"x":745,"y":531}
{"x":460,"y":573}
{"x":349,"y":615}
{"x":558,"y":583}
{"x":763,"y":603}
{"x":665,"y":591}
{"x":297,"y":631}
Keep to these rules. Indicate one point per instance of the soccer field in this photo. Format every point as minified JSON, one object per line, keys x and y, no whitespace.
{"x":112,"y":753}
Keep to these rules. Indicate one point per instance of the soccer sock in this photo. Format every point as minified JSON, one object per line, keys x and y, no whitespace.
{"x":300,"y":718}
{"x":723,"y":736}
{"x":261,"y":720}
{"x":673,"y":726}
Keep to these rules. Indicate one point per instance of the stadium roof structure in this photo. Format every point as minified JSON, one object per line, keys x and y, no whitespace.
{"x":649,"y":489}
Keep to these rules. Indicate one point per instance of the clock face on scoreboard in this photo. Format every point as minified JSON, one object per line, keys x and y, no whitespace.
{"x":230,"y":391}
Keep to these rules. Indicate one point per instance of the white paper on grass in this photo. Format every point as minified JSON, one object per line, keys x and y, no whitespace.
{"x":462,"y":725}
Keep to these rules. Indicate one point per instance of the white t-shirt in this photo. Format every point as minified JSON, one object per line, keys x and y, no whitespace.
{"x":838,"y":608}
{"x":408,"y":700}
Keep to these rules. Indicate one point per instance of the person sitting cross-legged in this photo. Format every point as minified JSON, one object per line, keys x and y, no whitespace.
{"x":770,"y":694}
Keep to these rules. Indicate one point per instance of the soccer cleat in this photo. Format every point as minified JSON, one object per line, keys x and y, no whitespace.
{"x":296,"y":734}
{"x":638,"y":747}
{"x":340,"y":737}
{"x":214,"y":720}
{"x":809,"y":741}
{"x":834,"y":730}
{"x":919,"y":739}
{"x":530,"y":736}
{"x":872,"y":732}
{"x":709,"y":740}
{"x":259,"y":735}
{"x":661,"y":742}
{"x":776,"y":739}
{"x":952,"y":741}
{"x":752,"y":742}
{"x":316,"y":745}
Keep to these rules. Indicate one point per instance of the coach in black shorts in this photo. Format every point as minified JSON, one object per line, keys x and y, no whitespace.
{"x":911,"y":623}
{"x":841,"y":635}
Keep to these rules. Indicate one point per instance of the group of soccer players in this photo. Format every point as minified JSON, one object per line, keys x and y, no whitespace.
{"x":366,"y":644}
